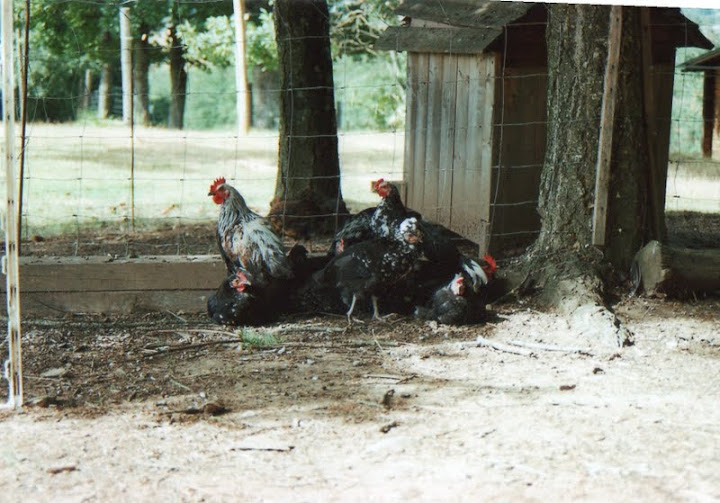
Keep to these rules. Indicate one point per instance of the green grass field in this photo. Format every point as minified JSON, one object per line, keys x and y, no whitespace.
{"x":80,"y":175}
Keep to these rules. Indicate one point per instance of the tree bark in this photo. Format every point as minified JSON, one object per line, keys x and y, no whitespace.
{"x":572,"y":273}
{"x":88,"y":83}
{"x":308,"y":180}
{"x":242,"y":89}
{"x":577,"y":51}
{"x":178,"y":81}
{"x":141,"y":83}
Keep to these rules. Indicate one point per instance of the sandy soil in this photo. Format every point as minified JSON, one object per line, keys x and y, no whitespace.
{"x":155,"y":408}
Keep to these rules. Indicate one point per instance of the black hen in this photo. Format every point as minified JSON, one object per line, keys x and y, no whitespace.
{"x":234,"y":302}
{"x":371,"y":267}
{"x":448,"y":304}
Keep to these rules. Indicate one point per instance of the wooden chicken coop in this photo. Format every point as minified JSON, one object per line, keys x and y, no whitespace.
{"x":476,"y":110}
{"x":709,"y":64}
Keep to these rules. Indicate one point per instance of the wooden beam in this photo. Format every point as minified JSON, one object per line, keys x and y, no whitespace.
{"x":96,"y":284}
{"x":657,"y":206}
{"x":674,"y":271}
{"x":607,"y":121}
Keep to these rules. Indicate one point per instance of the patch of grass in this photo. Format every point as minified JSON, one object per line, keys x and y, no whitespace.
{"x":92,"y":174}
{"x":257,"y":338}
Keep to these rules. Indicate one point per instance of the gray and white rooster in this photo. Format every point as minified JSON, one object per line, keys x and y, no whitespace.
{"x":245,"y":239}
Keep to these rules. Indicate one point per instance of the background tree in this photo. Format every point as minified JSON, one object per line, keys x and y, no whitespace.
{"x":308,"y":180}
{"x":66,"y":39}
{"x":572,"y":272}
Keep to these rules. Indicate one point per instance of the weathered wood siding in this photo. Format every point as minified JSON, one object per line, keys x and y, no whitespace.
{"x":448,"y":147}
{"x":53,"y":286}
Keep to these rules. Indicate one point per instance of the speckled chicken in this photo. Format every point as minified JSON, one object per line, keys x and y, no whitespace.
{"x":371,"y":267}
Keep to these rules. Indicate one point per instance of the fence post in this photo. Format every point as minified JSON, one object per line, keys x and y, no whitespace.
{"x":13,"y":367}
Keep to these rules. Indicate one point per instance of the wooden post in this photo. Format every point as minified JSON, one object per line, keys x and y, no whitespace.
{"x":708,"y":111}
{"x":241,"y":85}
{"x":13,"y":370}
{"x":126,"y":63}
{"x":715,"y":144}
{"x":657,"y":206}
{"x":607,"y":121}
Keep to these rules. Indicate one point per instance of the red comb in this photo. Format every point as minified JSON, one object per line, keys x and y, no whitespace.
{"x":492,"y":265}
{"x":216,"y":183}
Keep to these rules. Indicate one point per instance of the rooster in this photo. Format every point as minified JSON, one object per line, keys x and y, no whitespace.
{"x":371,"y":267}
{"x":245,"y":239}
{"x":448,"y":304}
{"x":357,"y":228}
{"x":390,"y":211}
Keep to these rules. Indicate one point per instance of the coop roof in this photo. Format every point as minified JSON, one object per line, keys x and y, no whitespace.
{"x":471,"y":26}
{"x":706,"y":61}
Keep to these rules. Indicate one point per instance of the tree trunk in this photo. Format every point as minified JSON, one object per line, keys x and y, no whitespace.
{"x":104,"y":92}
{"x":265,"y":102}
{"x":141,"y":85}
{"x":308,"y":180}
{"x":242,"y":89}
{"x":88,"y":83}
{"x":563,"y":261}
{"x":575,"y":89}
{"x":178,"y":81}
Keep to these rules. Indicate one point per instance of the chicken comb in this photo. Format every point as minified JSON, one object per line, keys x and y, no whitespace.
{"x":376,"y":184}
{"x":216,"y":184}
{"x":239,"y":274}
{"x":491,"y":264}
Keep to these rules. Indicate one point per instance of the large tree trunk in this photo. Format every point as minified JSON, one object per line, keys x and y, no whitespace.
{"x":88,"y":83}
{"x":178,"y":81}
{"x":575,"y":90}
{"x":141,"y":85}
{"x":563,"y":261}
{"x":308,"y":180}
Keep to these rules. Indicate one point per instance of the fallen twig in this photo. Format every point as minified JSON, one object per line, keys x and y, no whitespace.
{"x":549,"y":347}
{"x":482,"y":341}
{"x":62,"y":469}
{"x":176,"y":316}
{"x":265,"y":449}
{"x":181,"y":385}
{"x":186,"y":347}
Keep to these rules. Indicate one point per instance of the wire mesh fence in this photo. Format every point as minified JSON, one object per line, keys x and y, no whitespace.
{"x":96,"y":186}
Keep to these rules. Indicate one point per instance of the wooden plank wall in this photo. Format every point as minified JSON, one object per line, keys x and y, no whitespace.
{"x":448,"y":146}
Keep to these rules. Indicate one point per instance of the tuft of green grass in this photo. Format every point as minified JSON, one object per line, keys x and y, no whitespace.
{"x":256,"y":338}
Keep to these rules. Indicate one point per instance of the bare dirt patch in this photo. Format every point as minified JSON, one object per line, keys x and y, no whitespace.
{"x":157,"y":407}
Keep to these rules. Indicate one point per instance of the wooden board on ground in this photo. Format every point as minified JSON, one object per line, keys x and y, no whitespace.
{"x":659,"y":268}
{"x":56,"y":285}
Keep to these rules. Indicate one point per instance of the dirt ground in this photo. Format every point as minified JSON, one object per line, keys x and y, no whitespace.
{"x":172,"y":408}
{"x":169,"y":407}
